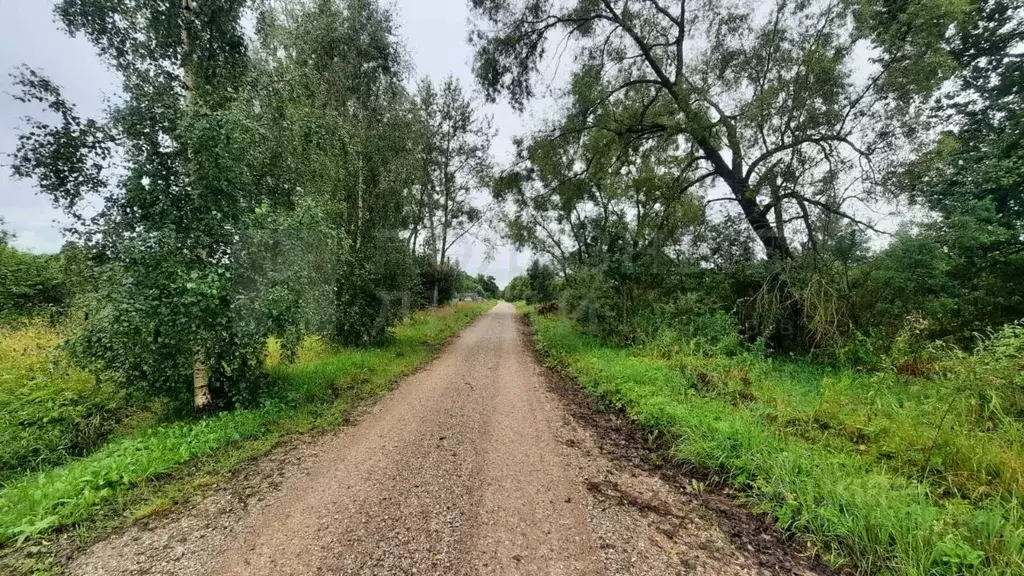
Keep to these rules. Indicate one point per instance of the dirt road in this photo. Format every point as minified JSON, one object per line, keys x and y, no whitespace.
{"x":471,"y":466}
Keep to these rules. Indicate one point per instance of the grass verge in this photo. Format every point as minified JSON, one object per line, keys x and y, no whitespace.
{"x":146,"y":470}
{"x":884,"y":475}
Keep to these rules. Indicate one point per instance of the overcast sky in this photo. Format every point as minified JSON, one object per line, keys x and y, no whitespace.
{"x":435,"y":33}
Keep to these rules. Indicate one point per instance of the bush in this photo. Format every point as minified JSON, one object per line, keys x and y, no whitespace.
{"x":30,"y":284}
{"x":142,"y":324}
{"x":861,"y":351}
{"x":591,"y":301}
{"x":691,"y":326}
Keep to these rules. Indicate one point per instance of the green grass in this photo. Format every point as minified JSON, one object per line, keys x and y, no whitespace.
{"x":317,"y":391}
{"x":49,"y":411}
{"x":888,"y":474}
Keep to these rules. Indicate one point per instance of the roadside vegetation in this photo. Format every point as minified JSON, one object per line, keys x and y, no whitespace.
{"x":800,"y":268}
{"x":258,"y":239}
{"x":319,"y":389}
{"x":49,"y":411}
{"x":787,"y":236}
{"x":886,"y":473}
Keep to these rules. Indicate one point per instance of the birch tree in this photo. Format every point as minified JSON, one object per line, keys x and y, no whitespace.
{"x":344,"y":68}
{"x":179,"y":165}
{"x":455,"y":168}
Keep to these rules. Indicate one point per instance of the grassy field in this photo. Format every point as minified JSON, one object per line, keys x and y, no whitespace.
{"x":884,"y":473}
{"x":118,"y":469}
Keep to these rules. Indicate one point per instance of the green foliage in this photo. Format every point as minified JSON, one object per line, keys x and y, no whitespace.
{"x":995,"y":373}
{"x":445,"y":280}
{"x":689,"y":326}
{"x":517,"y":289}
{"x":320,"y":390}
{"x":335,"y":71}
{"x":30,"y":284}
{"x":910,"y":276}
{"x":760,"y":97}
{"x":610,"y":190}
{"x":893,"y":475}
{"x":256,"y":186}
{"x":452,"y":160}
{"x":50,"y":411}
{"x":467,"y":284}
{"x":192,"y":166}
{"x":541,"y":277}
{"x":974,"y":173}
{"x":373,"y":291}
{"x":488,"y":286}
{"x":918,"y":32}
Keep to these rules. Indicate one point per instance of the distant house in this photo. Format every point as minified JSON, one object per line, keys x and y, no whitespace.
{"x":470,"y":297}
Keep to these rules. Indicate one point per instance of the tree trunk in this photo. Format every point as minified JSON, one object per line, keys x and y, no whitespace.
{"x":201,"y":398}
{"x":775,"y":246}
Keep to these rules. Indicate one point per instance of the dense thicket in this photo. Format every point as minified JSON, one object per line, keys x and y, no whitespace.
{"x":30,"y":284}
{"x":253,"y":181}
{"x":741,"y":166}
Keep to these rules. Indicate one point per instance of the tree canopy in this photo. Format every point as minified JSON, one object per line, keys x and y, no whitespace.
{"x":758,"y":98}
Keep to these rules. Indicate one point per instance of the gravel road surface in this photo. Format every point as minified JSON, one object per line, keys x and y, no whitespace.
{"x":473,"y":465}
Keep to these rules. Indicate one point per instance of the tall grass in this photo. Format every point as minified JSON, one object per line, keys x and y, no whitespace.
{"x":891,"y":475}
{"x":318,"y":391}
{"x":49,"y":411}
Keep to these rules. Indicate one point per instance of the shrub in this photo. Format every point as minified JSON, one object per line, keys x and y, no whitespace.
{"x":30,"y":283}
{"x":861,"y":351}
{"x":591,"y":301}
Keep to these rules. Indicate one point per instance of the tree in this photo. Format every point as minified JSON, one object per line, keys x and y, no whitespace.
{"x":427,"y":281}
{"x":6,"y":236}
{"x":466,"y":284}
{"x":517,"y":289}
{"x":454,"y":164}
{"x":191,"y":170}
{"x":345,"y":68}
{"x":973,"y":176}
{"x":246,"y":187}
{"x":488,"y":285}
{"x":541,"y":277}
{"x":613,"y":215}
{"x":760,"y":98}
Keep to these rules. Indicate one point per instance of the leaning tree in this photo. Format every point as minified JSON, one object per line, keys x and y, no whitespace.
{"x":790,"y":107}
